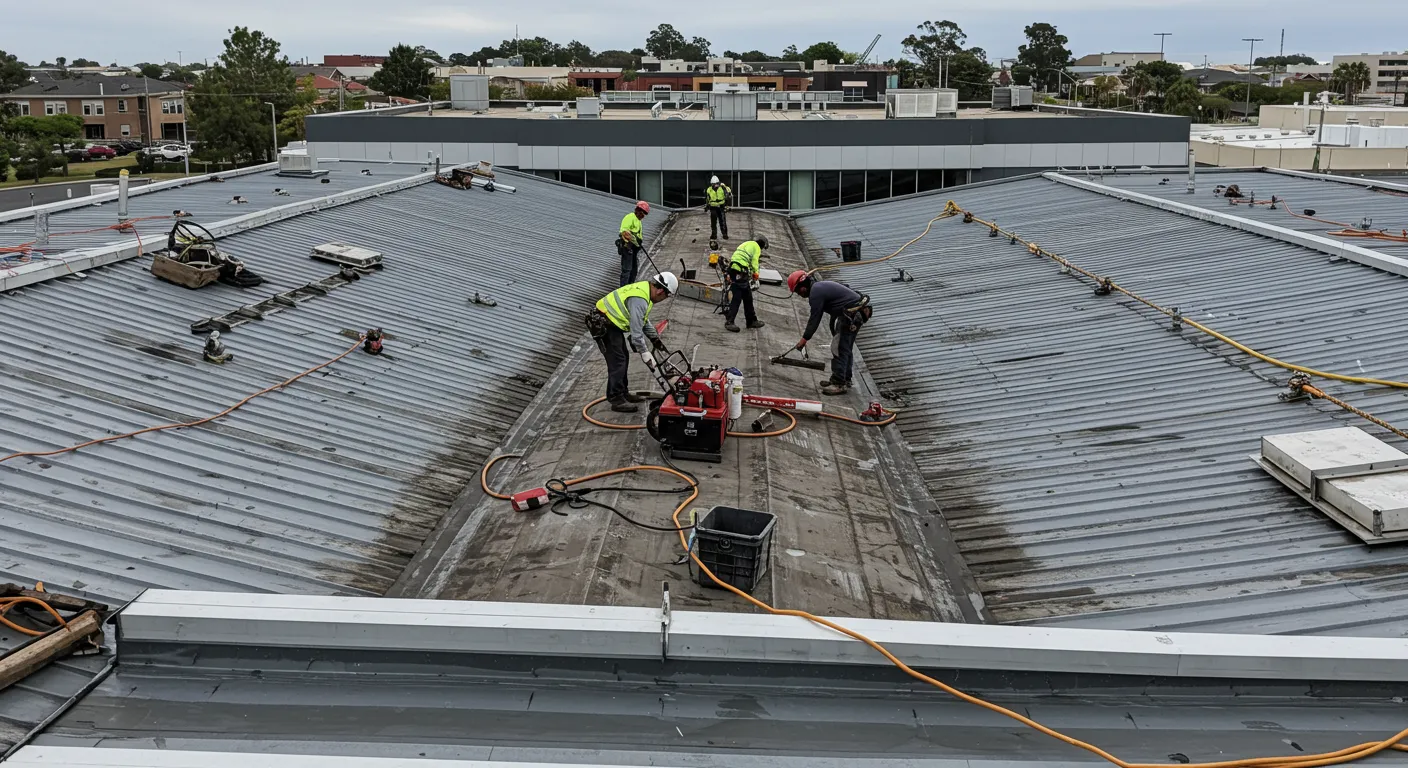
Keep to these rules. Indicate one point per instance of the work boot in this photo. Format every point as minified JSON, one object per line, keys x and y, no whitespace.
{"x":729,"y":326}
{"x":835,"y":389}
{"x":625,"y":406}
{"x":636,"y":397}
{"x":756,"y":323}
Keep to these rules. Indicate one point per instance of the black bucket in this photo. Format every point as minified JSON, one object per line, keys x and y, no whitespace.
{"x":736,"y":544}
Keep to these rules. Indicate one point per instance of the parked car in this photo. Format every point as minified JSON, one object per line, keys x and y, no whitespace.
{"x":169,"y":151}
{"x":76,"y":153}
{"x":127,"y":146}
{"x":100,"y":151}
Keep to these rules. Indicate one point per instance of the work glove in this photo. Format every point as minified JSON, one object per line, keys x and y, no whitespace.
{"x":755,"y":277}
{"x":659,"y":344}
{"x":801,"y":344}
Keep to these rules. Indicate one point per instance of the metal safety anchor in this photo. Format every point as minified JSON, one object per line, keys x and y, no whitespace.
{"x":1105,"y":287}
{"x":1177,"y":317}
{"x":1295,"y":388}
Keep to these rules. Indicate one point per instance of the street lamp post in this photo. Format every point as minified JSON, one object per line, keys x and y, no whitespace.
{"x":274,"y":124}
{"x":1161,"y":36}
{"x":1251,"y":57}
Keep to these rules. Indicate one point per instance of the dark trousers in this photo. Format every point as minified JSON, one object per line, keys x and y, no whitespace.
{"x":614,"y":348}
{"x":742,"y":294}
{"x":630,"y":261}
{"x":718,"y":220}
{"x":843,"y":342}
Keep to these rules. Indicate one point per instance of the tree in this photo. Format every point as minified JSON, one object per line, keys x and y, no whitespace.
{"x":755,"y":55}
{"x":906,"y":70}
{"x":1044,"y":56}
{"x":554,"y":92}
{"x":483,"y":55}
{"x":944,"y":62}
{"x":227,"y":108}
{"x":176,"y":73}
{"x":61,"y":61}
{"x":82,"y":62}
{"x":1154,"y":78}
{"x":12,"y":73}
{"x":39,"y":133}
{"x":1284,"y":61}
{"x":459,"y":60}
{"x":790,"y":53}
{"x":1216,"y":108}
{"x":828,"y":52}
{"x":1105,"y":91}
{"x":1350,"y":78}
{"x":622,"y":59}
{"x":405,"y":73}
{"x":664,"y":42}
{"x":579,"y":53}
{"x":699,"y":49}
{"x":1182,"y":98}
{"x":154,"y":71}
{"x":429,"y":54}
{"x":292,"y":126}
{"x":440,"y":90}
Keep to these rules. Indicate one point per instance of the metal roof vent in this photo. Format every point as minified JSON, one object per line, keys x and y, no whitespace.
{"x":1352,"y":477}
{"x":346,"y":255}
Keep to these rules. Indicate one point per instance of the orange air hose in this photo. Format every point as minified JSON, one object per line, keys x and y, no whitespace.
{"x":7,"y":603}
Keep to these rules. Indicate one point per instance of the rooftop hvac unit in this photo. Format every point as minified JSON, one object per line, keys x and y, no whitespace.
{"x":469,"y":92}
{"x":299,"y":164}
{"x":733,"y":106}
{"x":588,"y":109}
{"x":1352,"y":477}
{"x":916,"y":102}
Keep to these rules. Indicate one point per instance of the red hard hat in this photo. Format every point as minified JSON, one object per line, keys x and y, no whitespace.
{"x":642,"y":206}
{"x":795,"y":279}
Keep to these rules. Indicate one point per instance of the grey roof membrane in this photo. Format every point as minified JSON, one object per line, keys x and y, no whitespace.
{"x":207,"y":202}
{"x":328,"y":486}
{"x":1092,"y":464}
{"x":1333,"y":201}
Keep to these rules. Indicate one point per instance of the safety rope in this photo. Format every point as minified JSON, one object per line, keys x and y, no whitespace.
{"x":1300,"y":384}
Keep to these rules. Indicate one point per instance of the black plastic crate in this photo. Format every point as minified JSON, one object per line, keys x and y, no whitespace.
{"x":736,"y":544}
{"x":850,"y":250}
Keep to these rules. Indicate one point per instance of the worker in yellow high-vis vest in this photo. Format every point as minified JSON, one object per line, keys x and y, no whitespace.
{"x":742,"y":271}
{"x":621,"y":319}
{"x":717,"y":198}
{"x":629,"y":241}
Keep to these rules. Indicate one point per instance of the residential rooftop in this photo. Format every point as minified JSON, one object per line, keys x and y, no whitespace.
{"x":84,"y":86}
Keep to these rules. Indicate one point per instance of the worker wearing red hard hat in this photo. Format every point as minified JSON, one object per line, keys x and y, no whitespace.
{"x":848,"y":309}
{"x":630,"y":241}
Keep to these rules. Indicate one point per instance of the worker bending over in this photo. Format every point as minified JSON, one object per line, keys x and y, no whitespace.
{"x":742,"y":271}
{"x":630,"y":241}
{"x":848,"y":310}
{"x":622,"y":318}
{"x":718,"y":197}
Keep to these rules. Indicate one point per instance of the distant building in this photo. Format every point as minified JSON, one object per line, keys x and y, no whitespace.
{"x":1388,"y":72}
{"x":352,"y":60}
{"x":1096,"y":64}
{"x":329,"y":88}
{"x":1208,"y":79}
{"x":112,"y":107}
{"x":719,"y":74}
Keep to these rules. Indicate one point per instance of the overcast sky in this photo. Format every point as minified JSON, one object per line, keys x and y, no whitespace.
{"x":311,"y":28}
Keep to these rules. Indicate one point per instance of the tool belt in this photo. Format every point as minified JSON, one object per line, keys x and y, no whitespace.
{"x":853,"y":317}
{"x":624,"y":248}
{"x":597,"y":324}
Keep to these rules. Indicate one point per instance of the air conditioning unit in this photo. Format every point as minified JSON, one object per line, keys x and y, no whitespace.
{"x":299,"y":164}
{"x":345,"y":255}
{"x":1350,"y":476}
{"x":588,"y":108}
{"x":921,"y":103}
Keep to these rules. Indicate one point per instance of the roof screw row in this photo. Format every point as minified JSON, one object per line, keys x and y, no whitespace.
{"x":1105,"y":287}
{"x":371,"y":343}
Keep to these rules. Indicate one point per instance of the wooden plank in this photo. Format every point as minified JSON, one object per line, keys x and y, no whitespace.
{"x":31,"y":657}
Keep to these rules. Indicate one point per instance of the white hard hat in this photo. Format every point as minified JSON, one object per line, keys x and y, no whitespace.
{"x":713,"y":179}
{"x":667,"y":281}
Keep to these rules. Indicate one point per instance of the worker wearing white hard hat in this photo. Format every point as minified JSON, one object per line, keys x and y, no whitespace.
{"x":717,"y":198}
{"x":621,"y":320}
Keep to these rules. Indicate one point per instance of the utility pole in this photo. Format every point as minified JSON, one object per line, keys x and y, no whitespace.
{"x":1251,"y":55}
{"x":1161,"y":36}
{"x":274,"y":123}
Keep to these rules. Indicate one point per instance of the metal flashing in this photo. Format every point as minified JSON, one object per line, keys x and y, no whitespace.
{"x":1324,"y":245}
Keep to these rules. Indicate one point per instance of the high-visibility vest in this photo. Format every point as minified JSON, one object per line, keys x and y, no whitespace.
{"x":613,"y":304}
{"x":631,"y":223}
{"x":718,"y":196}
{"x":745,"y":259}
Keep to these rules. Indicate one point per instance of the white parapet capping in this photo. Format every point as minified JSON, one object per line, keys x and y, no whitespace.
{"x":1375,"y":259}
{"x":382,"y":624}
{"x":76,"y":262}
{"x":1351,"y":180}
{"x":108,"y":757}
{"x":156,"y":186}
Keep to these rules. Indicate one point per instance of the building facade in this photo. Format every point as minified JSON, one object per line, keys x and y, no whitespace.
{"x":1388,"y":71}
{"x":112,"y":108}
{"x":782,"y":161}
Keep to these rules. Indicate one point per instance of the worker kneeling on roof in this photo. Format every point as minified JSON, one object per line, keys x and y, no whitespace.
{"x":622,"y":318}
{"x":848,"y":310}
{"x":742,"y":271}
{"x":630,"y":240}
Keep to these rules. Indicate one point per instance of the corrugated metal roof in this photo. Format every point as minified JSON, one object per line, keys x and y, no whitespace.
{"x":328,"y":486}
{"x":1093,"y":464}
{"x":208,"y":202}
{"x":1334,"y":201}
